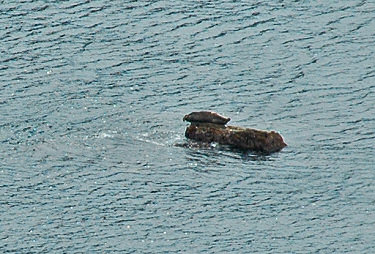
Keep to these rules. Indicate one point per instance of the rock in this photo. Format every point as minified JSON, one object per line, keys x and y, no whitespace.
{"x":237,"y":137}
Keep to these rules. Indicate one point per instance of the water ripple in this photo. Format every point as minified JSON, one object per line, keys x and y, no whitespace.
{"x":92,"y":141}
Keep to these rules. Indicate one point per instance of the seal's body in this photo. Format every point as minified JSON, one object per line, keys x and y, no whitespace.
{"x":206,"y":117}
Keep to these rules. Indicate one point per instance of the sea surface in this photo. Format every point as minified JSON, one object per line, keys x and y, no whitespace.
{"x":93,"y":157}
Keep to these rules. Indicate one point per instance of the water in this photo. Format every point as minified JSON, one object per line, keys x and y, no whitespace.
{"x":92,"y":95}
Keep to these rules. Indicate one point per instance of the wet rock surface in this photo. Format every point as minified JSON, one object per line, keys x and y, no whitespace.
{"x":237,"y":137}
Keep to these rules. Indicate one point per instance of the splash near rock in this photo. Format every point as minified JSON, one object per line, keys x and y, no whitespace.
{"x":237,"y":137}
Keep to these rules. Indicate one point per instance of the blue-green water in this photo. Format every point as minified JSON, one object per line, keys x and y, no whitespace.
{"x":92,"y":95}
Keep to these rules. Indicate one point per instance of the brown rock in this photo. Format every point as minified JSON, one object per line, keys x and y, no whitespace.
{"x":237,"y":137}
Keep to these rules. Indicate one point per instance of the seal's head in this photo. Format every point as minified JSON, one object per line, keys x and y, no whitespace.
{"x":275,"y":142}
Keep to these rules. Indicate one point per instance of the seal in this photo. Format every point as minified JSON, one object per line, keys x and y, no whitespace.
{"x":206,"y":117}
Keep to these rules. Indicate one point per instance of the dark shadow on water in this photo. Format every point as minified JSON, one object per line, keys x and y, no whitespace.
{"x":208,"y":151}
